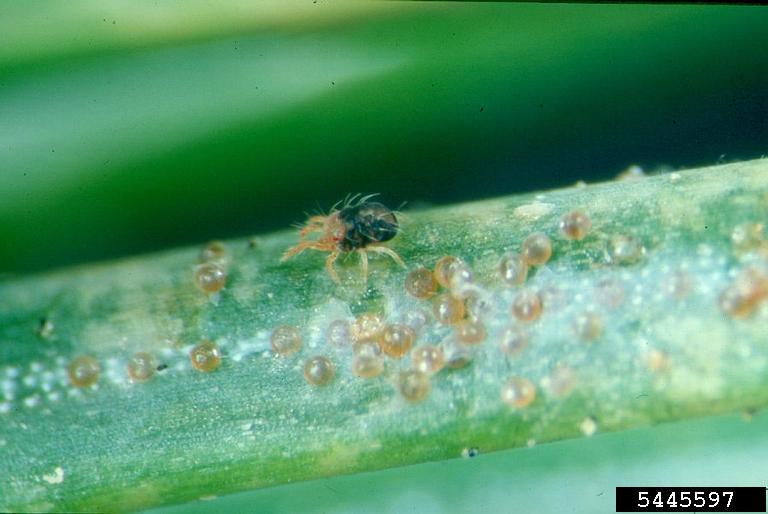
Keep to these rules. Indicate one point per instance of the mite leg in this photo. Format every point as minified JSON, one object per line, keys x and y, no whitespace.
{"x":364,"y":262}
{"x":304,"y":245}
{"x":387,"y":251}
{"x":329,"y":266}
{"x":313,"y":224}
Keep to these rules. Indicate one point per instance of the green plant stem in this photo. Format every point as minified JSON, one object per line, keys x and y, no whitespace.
{"x":255,"y":422}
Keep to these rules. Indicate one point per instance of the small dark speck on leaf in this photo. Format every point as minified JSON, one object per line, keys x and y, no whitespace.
{"x":748,"y":414}
{"x":161,"y":367}
{"x":45,"y":328}
{"x":482,"y":109}
{"x":470,"y":452}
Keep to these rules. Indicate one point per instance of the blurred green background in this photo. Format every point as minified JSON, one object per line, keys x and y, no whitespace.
{"x":128,"y":127}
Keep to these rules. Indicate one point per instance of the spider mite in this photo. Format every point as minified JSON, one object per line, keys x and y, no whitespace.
{"x":360,"y":225}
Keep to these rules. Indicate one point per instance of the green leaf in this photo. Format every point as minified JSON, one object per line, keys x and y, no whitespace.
{"x":655,"y":270}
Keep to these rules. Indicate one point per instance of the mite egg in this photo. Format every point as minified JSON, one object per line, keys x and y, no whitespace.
{"x":215,"y":252}
{"x":514,"y":340}
{"x":285,"y":340}
{"x":610,"y":292}
{"x":470,"y":332}
{"x":480,"y":305}
{"x":588,"y":326}
{"x":141,"y":367}
{"x":443,"y":270}
{"x":560,"y":382}
{"x":319,"y":371}
{"x":367,"y":327}
{"x":740,"y":298}
{"x":368,"y":361}
{"x":210,"y":277}
{"x":396,"y":340}
{"x":747,"y":236}
{"x":447,"y":309}
{"x":205,"y":356}
{"x":552,"y":297}
{"x":416,"y":319}
{"x":83,"y":371}
{"x":537,"y":249}
{"x":657,"y":361}
{"x":339,"y":333}
{"x":513,"y":269}
{"x":457,"y":356}
{"x":678,"y":284}
{"x":427,"y":359}
{"x":588,"y":426}
{"x":527,"y":306}
{"x":414,"y":386}
{"x":575,"y":225}
{"x":460,"y":280}
{"x":421,"y":283}
{"x":518,"y":392}
{"x":633,"y":172}
{"x":624,"y":250}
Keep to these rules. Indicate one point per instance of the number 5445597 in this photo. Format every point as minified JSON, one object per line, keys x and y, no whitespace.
{"x":683,"y":499}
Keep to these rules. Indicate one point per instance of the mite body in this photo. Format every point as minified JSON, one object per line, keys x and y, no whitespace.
{"x":360,"y":225}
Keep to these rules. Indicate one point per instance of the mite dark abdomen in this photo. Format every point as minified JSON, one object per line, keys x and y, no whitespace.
{"x":367,"y":223}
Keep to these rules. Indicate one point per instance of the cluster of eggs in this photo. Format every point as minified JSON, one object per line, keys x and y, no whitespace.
{"x":457,"y":302}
